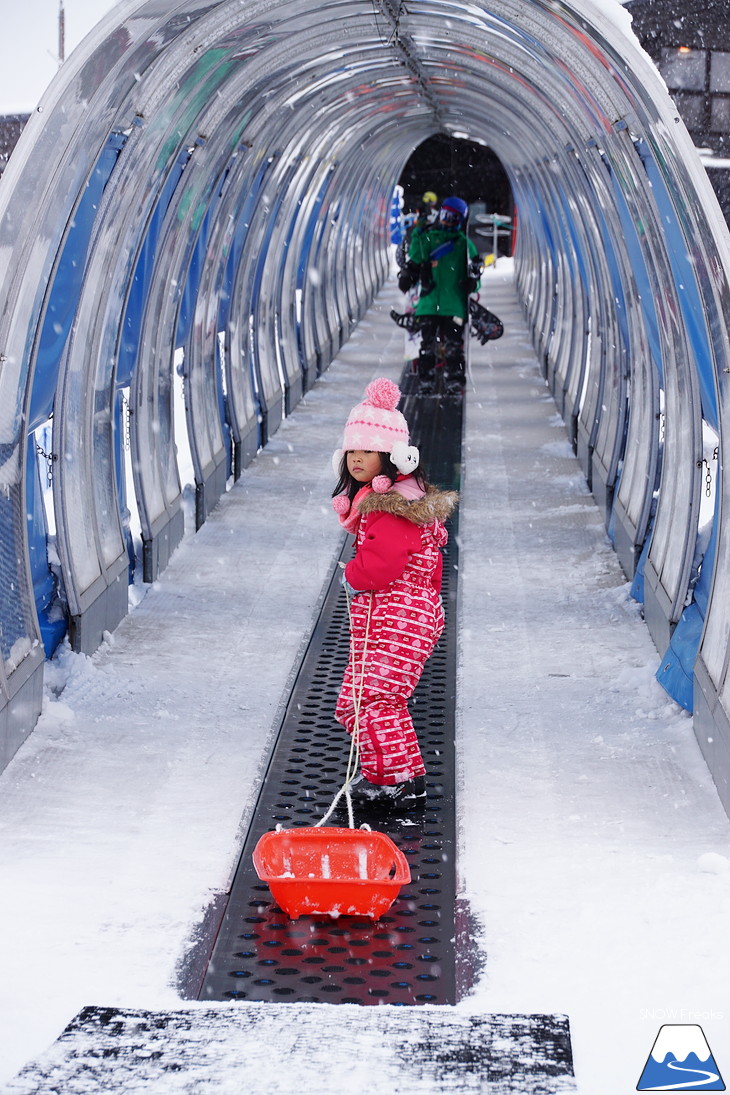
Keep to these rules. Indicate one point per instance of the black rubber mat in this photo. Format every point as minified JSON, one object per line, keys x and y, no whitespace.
{"x":290,"y":1051}
{"x":406,"y":957}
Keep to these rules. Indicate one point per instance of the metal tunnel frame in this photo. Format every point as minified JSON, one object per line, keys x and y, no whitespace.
{"x":207,"y":187}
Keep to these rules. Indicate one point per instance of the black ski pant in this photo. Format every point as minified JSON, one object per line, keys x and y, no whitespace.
{"x":442,"y":340}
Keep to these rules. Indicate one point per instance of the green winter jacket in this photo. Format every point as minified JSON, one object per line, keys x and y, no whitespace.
{"x":449,"y":294}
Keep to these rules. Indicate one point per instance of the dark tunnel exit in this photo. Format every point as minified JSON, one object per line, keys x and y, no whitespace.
{"x":447,"y":165}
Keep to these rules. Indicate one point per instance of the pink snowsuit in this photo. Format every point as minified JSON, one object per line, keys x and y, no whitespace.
{"x":398,"y":564}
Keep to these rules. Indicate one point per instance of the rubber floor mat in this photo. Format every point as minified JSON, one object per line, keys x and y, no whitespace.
{"x":303,"y":1048}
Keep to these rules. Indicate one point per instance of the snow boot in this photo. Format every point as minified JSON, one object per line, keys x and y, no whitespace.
{"x":426,"y":380}
{"x":388,"y":799}
{"x":455,"y":381}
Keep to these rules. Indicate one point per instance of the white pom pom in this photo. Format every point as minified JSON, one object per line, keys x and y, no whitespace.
{"x":405,"y":457}
{"x":336,"y":461}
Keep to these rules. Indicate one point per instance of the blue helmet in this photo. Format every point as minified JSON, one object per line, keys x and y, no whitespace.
{"x":453,"y":212}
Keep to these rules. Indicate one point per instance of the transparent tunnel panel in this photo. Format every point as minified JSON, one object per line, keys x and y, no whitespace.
{"x":673,"y":534}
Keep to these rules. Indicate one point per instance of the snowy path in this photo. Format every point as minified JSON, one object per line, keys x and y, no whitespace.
{"x":594,"y":851}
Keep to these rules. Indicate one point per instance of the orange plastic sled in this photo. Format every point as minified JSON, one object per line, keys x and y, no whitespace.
{"x":331,"y":872}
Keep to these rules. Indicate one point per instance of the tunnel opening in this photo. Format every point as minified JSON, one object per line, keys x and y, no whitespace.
{"x":452,"y":165}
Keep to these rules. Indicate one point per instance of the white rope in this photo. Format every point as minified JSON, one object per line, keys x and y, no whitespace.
{"x":353,"y":759}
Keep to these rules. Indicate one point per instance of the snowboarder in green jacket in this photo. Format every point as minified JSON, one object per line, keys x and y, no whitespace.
{"x":449,"y":267}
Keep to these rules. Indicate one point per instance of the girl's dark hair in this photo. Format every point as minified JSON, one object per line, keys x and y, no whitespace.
{"x":349,"y":486}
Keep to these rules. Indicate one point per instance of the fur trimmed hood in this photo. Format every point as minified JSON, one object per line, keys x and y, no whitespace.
{"x":434,"y":505}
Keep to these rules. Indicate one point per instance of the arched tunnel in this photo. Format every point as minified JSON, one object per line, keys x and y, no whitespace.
{"x":205,"y":191}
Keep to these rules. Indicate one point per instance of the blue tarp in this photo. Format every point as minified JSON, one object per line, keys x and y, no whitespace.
{"x":51,"y":614}
{"x":676,"y":672}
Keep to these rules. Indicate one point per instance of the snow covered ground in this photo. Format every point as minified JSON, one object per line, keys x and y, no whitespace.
{"x":594,"y":853}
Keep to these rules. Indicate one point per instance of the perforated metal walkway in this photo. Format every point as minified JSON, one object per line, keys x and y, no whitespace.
{"x":408,"y":956}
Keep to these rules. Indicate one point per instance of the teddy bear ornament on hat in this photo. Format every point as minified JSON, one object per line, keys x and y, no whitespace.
{"x":375,"y":425}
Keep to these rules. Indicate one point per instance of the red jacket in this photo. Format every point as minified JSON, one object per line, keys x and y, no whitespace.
{"x":399,"y":537}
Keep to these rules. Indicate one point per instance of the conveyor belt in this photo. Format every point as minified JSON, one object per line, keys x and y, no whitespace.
{"x":407,"y":957}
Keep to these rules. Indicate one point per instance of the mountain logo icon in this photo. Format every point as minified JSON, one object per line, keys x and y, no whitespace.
{"x":680,"y":1060}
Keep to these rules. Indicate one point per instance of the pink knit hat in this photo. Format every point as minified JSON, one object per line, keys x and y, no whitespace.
{"x":375,"y":425}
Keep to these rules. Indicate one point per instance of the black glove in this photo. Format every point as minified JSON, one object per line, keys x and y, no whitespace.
{"x":408,"y":277}
{"x":475,"y":270}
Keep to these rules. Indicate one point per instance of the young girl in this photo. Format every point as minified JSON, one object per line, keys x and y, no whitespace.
{"x":383,"y":499}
